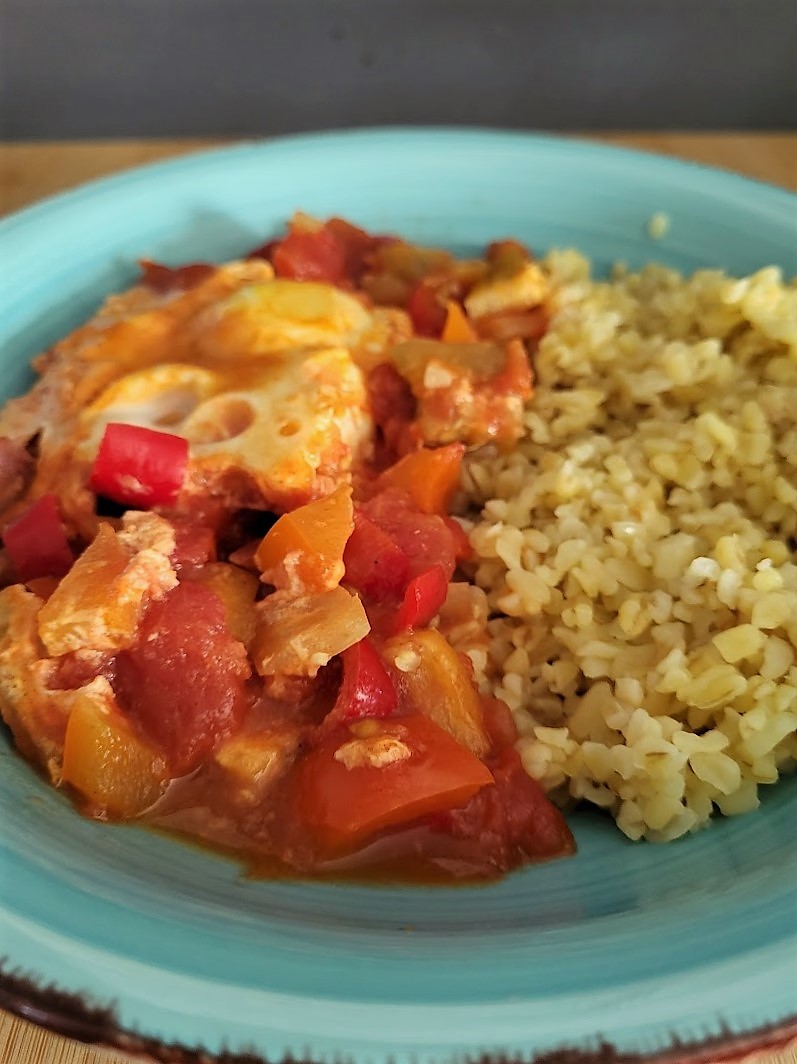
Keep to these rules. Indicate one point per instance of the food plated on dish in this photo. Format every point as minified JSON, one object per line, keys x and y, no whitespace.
{"x":267,"y":648}
{"x":699,"y":933}
{"x":345,"y":553}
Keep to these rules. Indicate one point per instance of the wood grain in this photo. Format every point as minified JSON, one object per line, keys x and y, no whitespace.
{"x":29,"y":172}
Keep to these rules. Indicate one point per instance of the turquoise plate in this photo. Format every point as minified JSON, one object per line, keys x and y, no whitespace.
{"x":634,"y":944}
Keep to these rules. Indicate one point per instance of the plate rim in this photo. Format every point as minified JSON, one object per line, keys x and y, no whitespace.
{"x":775,"y":196}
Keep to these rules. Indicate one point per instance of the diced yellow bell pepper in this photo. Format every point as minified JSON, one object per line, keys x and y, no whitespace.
{"x":434,"y":680}
{"x":114,"y":769}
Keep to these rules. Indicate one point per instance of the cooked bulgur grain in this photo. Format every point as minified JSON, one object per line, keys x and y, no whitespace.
{"x":637,"y":548}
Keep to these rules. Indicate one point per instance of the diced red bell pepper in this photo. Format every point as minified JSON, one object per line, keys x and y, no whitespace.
{"x":36,"y":542}
{"x":375,"y":564}
{"x":138,"y":466}
{"x":423,"y":598}
{"x":367,"y":689}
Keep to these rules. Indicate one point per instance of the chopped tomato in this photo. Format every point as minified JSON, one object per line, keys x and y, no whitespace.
{"x":183,"y":680}
{"x":430,"y":476}
{"x":367,"y":689}
{"x":390,"y":395}
{"x":381,"y":774}
{"x":174,"y":279}
{"x":194,"y":544}
{"x":422,"y":600}
{"x":499,"y":723}
{"x":375,"y":564}
{"x":512,"y":821}
{"x":335,"y":251}
{"x":357,"y":245}
{"x":393,"y":409}
{"x":36,"y":542}
{"x":462,"y":549}
{"x":427,"y":309}
{"x":139,"y":466}
{"x":310,"y":256}
{"x":425,"y":538}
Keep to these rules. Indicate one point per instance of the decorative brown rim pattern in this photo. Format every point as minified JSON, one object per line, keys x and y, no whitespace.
{"x":73,"y":1015}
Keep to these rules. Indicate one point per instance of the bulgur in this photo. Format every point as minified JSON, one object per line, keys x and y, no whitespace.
{"x":637,"y":546}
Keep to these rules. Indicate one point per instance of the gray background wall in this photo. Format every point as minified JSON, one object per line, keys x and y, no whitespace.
{"x":75,"y":68}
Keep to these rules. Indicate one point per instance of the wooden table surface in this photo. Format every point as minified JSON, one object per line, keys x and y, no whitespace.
{"x":30,"y":171}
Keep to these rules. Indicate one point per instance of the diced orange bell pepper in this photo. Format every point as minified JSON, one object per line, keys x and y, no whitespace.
{"x":296,"y":635}
{"x":429,"y":476}
{"x":237,"y":589}
{"x":458,"y":328}
{"x":432,"y":678}
{"x":115,"y":770}
{"x":303,"y":551}
{"x":382,"y":774}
